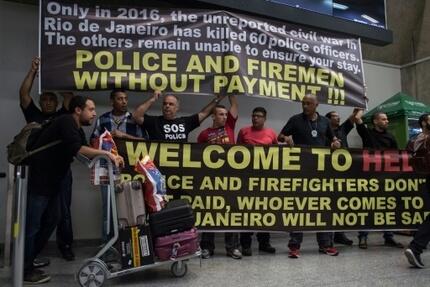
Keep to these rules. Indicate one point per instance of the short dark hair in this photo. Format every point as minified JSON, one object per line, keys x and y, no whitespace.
{"x":328,"y":115}
{"x":218,"y":107}
{"x":78,"y":102}
{"x":115,"y":91}
{"x":422,"y":118}
{"x":375,"y":115}
{"x":260,"y":110}
{"x":49,"y":94}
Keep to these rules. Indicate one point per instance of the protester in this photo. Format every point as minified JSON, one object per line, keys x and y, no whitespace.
{"x":309,"y":128}
{"x":257,"y":134}
{"x":120,"y":123}
{"x":48,"y":110}
{"x":221,"y":132}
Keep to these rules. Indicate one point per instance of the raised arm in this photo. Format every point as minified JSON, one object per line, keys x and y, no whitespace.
{"x":233,"y":105}
{"x":207,"y":110}
{"x":24,"y":91}
{"x":140,"y":111}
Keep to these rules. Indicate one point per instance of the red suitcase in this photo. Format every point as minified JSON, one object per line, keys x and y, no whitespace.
{"x":176,"y":245}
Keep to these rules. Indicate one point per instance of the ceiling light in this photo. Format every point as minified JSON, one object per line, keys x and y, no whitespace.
{"x":367,"y":17}
{"x":340,"y":6}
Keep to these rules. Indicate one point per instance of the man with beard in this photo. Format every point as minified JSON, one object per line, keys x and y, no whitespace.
{"x":309,"y":128}
{"x":46,"y":171}
{"x":120,"y":123}
{"x":376,"y":138}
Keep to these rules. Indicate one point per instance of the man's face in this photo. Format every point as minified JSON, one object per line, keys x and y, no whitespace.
{"x":258,"y":120}
{"x":170,"y":107}
{"x":309,"y":105}
{"x":219,"y":117}
{"x":120,"y":102}
{"x":48,"y":103}
{"x":381,"y":121}
{"x":88,"y":114}
{"x":334,"y":119}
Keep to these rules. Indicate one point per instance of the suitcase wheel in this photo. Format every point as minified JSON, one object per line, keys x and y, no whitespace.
{"x":179,"y":269}
{"x":92,"y":273}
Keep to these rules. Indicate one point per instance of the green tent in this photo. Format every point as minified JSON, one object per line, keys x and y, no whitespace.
{"x":403,"y":112}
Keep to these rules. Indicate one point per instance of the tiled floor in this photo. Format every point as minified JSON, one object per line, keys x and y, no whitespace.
{"x":377,"y":266}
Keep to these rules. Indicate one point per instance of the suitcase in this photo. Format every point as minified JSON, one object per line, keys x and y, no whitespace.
{"x":130,"y":204}
{"x":177,"y":216}
{"x":135,"y":245}
{"x":176,"y":245}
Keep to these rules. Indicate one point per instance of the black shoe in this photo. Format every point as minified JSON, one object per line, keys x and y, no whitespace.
{"x":234,"y":253}
{"x":206,"y":253}
{"x":342,"y":239}
{"x":362,"y":242}
{"x":414,"y":258}
{"x":393,"y":243}
{"x":267,"y":248}
{"x":246,"y":251}
{"x":36,"y":277}
{"x":67,"y":253}
{"x":41,"y":262}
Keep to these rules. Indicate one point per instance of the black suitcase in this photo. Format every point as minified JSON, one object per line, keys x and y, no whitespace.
{"x":177,"y":216}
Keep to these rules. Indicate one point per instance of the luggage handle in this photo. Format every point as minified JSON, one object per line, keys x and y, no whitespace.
{"x":175,"y":249}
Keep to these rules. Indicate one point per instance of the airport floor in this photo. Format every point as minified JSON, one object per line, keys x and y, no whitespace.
{"x":376,"y":266}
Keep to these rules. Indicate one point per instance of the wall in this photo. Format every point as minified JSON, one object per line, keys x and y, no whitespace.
{"x":19,"y":24}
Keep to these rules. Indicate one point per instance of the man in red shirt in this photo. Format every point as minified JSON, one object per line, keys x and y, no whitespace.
{"x":221,"y":132}
{"x":257,"y":134}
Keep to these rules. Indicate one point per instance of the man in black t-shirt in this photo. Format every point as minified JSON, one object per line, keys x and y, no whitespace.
{"x":48,"y":110}
{"x":309,"y":128}
{"x":46,"y":171}
{"x":168,"y":127}
{"x":377,"y":138}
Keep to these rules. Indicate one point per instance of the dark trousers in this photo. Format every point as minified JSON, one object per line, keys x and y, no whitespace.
{"x":41,"y":219}
{"x":324,"y":239}
{"x":246,"y":238}
{"x":231,"y":241}
{"x":422,"y":237}
{"x":64,"y":228}
{"x":387,"y":234}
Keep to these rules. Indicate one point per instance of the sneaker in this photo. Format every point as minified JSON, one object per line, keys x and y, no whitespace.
{"x":246,"y":251}
{"x":234,"y":253}
{"x":41,"y":262}
{"x":206,"y":253}
{"x":67,"y":253}
{"x":267,"y":248}
{"x":414,"y":258}
{"x":294,"y":252}
{"x":36,"y":277}
{"x":362,"y":242}
{"x":331,"y":251}
{"x":392,"y":243}
{"x":342,"y":239}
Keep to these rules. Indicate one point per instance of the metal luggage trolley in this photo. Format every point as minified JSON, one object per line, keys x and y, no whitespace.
{"x":95,"y":270}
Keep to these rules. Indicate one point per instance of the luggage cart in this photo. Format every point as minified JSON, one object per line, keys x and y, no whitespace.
{"x":95,"y":271}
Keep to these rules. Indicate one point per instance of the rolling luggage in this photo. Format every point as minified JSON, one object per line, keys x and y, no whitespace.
{"x":177,"y":216}
{"x":176,"y":245}
{"x":130,"y":204}
{"x":135,"y":246}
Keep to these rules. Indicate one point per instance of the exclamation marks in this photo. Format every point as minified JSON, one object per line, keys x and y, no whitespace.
{"x":336,"y":96}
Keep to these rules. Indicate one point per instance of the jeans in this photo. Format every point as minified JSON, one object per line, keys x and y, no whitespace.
{"x":422,"y":237}
{"x":208,"y":241}
{"x":246,"y":238}
{"x":42,"y":217}
{"x":64,"y":228}
{"x":324,"y":239}
{"x":387,"y":234}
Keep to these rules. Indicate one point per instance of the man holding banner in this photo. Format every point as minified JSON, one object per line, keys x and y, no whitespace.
{"x":309,"y":128}
{"x":221,"y":132}
{"x":168,"y":127}
{"x":257,"y":134}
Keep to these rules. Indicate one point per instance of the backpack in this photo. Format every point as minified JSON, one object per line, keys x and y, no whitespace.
{"x":20,"y":149}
